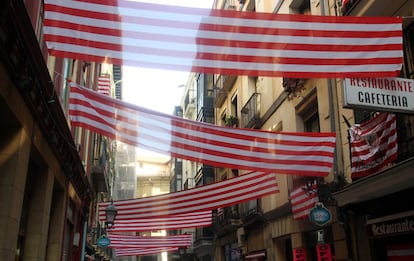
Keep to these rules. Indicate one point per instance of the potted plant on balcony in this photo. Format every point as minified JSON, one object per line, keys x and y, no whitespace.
{"x":231,"y":121}
{"x":294,"y":86}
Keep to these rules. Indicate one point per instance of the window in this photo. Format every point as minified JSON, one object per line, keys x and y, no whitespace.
{"x":311,"y":122}
{"x":409,"y":51}
{"x":308,"y":111}
{"x":300,"y":6}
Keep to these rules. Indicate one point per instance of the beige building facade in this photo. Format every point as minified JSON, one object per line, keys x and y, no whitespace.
{"x":265,"y":229}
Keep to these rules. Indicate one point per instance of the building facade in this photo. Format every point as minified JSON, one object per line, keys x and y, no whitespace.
{"x":45,"y":189}
{"x":52,"y":176}
{"x":367,"y":213}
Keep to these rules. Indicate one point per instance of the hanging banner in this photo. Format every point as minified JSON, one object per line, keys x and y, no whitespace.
{"x":299,"y":254}
{"x":382,"y":94}
{"x":323,"y":252}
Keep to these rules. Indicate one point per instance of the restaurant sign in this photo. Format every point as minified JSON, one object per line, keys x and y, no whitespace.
{"x":382,"y":94}
{"x":390,"y":226}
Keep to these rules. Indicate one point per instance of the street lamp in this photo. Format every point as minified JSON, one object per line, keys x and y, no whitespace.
{"x":110,"y":212}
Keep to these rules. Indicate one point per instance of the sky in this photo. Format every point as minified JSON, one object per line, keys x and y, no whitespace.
{"x":153,"y":89}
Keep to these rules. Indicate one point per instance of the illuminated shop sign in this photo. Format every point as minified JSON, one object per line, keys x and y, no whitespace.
{"x":324,"y":252}
{"x":384,"y":94}
{"x":299,"y":254}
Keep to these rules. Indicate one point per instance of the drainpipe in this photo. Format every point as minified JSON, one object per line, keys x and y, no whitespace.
{"x":85,"y":229}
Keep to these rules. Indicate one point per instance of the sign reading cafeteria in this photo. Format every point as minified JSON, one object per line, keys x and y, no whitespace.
{"x":386,"y":94}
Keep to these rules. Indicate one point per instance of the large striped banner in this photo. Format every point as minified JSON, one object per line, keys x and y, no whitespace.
{"x":208,"y":197}
{"x":223,"y":41}
{"x":131,"y":241}
{"x":171,"y":222}
{"x":136,"y":251}
{"x":298,"y":153}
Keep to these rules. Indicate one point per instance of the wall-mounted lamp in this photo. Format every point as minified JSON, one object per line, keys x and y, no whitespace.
{"x":110,"y":212}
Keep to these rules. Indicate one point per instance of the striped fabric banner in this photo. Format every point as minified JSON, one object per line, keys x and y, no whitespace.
{"x":104,"y":84}
{"x":131,"y":241}
{"x":224,"y":41}
{"x":307,"y":154}
{"x":172,"y":222}
{"x":303,"y":199}
{"x":374,"y":144}
{"x":121,"y":252}
{"x":208,"y":197}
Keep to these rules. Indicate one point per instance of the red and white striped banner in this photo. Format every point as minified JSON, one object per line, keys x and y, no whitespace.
{"x":303,"y":199}
{"x":208,"y":197}
{"x":306,"y":154}
{"x":373,"y":144}
{"x":224,"y":41}
{"x":131,"y":245}
{"x":104,"y":84}
{"x":400,"y":252}
{"x":131,"y":241}
{"x":172,"y":222}
{"x":120,"y":252}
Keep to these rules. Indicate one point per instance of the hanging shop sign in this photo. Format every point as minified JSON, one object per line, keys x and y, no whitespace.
{"x":299,"y":254}
{"x":103,"y":241}
{"x":320,"y":215}
{"x":398,"y":224}
{"x":323,"y":252}
{"x":382,"y":94}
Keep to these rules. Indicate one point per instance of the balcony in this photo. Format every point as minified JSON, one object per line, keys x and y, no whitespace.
{"x":250,"y":113}
{"x":222,"y":86}
{"x":226,"y":220}
{"x":99,"y":175}
{"x":203,"y":241}
{"x":190,"y":106}
{"x":251,"y":215}
{"x":204,"y":175}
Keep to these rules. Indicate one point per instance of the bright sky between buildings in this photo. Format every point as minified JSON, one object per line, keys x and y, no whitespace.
{"x":157,"y":89}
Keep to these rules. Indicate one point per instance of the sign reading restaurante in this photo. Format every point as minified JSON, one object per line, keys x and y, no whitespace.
{"x":386,"y":94}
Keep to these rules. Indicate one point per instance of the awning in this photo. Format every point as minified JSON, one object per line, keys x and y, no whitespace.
{"x":389,"y":181}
